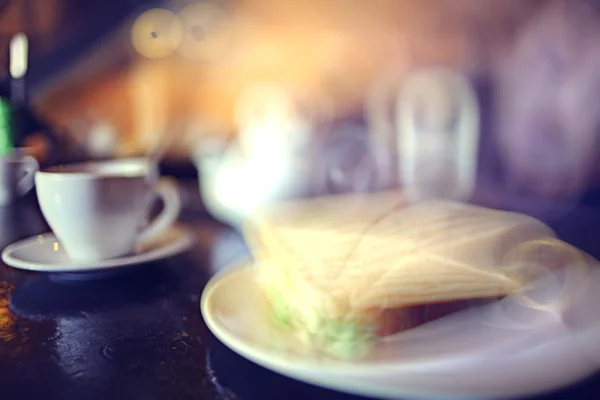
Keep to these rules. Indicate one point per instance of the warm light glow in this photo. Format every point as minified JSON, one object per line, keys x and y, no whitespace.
{"x":19,"y":50}
{"x":206,"y":31}
{"x":156,"y":33}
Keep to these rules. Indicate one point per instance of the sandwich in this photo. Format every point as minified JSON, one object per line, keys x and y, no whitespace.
{"x":343,"y":271}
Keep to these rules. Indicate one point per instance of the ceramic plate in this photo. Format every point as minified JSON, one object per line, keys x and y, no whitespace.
{"x":43,"y":253}
{"x":499,"y":351}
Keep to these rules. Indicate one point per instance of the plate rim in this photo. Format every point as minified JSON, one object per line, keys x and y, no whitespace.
{"x":301,"y":370}
{"x":179,"y":244}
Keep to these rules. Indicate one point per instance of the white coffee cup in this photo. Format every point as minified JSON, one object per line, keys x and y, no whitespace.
{"x":98,"y":210}
{"x":16,"y":176}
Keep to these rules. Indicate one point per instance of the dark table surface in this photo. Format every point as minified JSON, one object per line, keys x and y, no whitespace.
{"x":140,"y":335}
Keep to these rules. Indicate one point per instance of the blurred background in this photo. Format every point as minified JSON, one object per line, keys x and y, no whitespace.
{"x":121,"y":78}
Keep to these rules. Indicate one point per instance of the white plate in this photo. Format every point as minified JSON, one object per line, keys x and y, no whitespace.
{"x":43,"y":253}
{"x":462,"y":356}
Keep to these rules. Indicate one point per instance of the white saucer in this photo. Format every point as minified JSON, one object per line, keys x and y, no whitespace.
{"x":469,"y":360}
{"x":43,"y":253}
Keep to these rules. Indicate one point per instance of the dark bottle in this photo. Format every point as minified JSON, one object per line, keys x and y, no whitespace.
{"x":28,"y":130}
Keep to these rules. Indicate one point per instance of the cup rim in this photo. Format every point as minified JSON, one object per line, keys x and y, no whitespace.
{"x":17,"y":155}
{"x":85,"y":170}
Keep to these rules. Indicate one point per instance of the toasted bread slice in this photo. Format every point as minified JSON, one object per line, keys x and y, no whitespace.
{"x":372,"y":251}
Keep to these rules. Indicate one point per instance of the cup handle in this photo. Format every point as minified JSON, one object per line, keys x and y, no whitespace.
{"x":29,"y":167}
{"x":167,"y":190}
